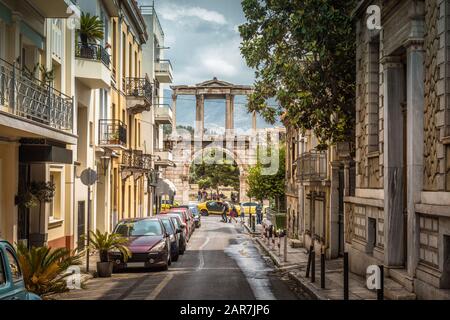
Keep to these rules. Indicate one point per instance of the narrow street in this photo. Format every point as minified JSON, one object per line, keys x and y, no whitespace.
{"x":221,"y":262}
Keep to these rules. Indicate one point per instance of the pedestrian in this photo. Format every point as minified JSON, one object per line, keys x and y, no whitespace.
{"x":233,"y":214}
{"x":242,"y":216}
{"x":224,"y":212}
{"x":258,"y":213}
{"x":199,"y":196}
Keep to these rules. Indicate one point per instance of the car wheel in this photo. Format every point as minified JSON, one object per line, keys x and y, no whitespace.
{"x":165,"y":267}
{"x":175,"y":257}
{"x":170,"y":261}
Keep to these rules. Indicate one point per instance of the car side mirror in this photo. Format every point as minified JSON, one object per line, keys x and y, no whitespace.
{"x":179,"y":230}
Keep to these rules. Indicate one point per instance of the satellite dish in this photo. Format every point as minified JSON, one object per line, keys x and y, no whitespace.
{"x":88,"y":177}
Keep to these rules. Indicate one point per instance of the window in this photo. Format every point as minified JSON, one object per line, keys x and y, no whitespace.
{"x":374,"y":94}
{"x":2,"y":271}
{"x":13,"y":266}
{"x":91,"y":133}
{"x":55,"y":204}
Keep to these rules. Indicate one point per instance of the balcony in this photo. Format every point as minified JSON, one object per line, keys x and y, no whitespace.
{"x":92,"y":65}
{"x":163,"y":114}
{"x":138,"y":92}
{"x":135,"y":162}
{"x":163,"y":71}
{"x":164,"y":158}
{"x":57,"y":8}
{"x":112,"y":134}
{"x":312,"y":167}
{"x":38,"y":103}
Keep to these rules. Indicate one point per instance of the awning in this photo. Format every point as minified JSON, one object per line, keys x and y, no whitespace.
{"x":165,"y":187}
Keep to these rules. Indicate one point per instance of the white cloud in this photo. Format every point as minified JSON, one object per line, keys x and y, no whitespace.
{"x":218,"y":65}
{"x":177,"y":12}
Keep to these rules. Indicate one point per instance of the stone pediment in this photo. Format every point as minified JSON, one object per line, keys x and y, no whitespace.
{"x":215,"y":83}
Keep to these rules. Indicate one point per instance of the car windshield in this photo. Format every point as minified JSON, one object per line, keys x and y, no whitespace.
{"x":249,"y":204}
{"x":139,"y":228}
{"x":168,"y":225}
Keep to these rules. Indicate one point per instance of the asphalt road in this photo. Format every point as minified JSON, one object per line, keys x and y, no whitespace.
{"x":221,"y":263}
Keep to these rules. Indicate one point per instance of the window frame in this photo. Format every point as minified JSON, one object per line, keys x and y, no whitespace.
{"x":11,"y":252}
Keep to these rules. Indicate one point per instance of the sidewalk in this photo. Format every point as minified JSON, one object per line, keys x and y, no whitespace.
{"x":297,"y":260}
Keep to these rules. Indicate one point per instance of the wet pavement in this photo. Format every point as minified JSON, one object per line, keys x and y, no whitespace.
{"x":222,"y":262}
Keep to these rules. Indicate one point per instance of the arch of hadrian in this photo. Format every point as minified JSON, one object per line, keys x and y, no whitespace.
{"x":235,"y":145}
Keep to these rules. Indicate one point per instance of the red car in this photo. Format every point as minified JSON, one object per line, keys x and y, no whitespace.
{"x":149,"y":243}
{"x":186,"y":217}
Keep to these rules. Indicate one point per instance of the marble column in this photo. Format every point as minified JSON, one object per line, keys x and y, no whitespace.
{"x":174,"y":113}
{"x":199,"y":114}
{"x":414,"y":138}
{"x":229,"y":113}
{"x":394,"y":99}
{"x":254,"y":121}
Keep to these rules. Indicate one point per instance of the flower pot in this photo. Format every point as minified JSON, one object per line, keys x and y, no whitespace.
{"x":104,"y":269}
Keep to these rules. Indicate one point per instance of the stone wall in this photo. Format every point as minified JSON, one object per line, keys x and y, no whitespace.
{"x":434,"y":155}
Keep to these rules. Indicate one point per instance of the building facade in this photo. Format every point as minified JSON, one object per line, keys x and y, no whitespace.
{"x":399,"y":215}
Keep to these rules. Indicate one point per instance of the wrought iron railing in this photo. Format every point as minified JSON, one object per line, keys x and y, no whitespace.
{"x":312,"y":166}
{"x":138,"y":88}
{"x":136,"y":160}
{"x":30,"y":98}
{"x":92,"y":51}
{"x":112,"y":132}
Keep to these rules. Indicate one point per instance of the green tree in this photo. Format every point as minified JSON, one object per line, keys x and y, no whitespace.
{"x":303,"y":52}
{"x":261,"y":186}
{"x":212,"y":172}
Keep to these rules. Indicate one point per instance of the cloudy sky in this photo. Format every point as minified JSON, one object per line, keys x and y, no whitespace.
{"x":204,"y":43}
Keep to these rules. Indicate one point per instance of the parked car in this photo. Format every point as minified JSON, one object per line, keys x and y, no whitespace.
{"x":182,"y":239}
{"x":149,"y":243}
{"x":174,"y":233}
{"x":187,"y":218}
{"x":168,"y":204}
{"x":12,"y":286}
{"x":195,"y":214}
{"x":215,"y":207}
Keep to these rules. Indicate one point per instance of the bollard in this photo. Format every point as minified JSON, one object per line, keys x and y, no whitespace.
{"x":313,"y":267}
{"x":285,"y":247}
{"x":380,"y":291}
{"x":322,"y":270}
{"x":308,"y":266}
{"x":254,"y":224}
{"x":345,"y":275}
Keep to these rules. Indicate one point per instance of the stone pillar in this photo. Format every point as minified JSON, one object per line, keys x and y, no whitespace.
{"x":393,"y":162}
{"x":333,"y":251}
{"x":174,"y":113}
{"x":254,"y":121}
{"x":199,"y":114}
{"x":229,"y":113}
{"x":414,"y":136}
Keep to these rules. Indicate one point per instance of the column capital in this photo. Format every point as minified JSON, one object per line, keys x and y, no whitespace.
{"x":414,"y":44}
{"x":174,"y":96}
{"x":391,"y":62}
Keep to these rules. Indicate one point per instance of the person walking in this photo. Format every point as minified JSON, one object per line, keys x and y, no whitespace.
{"x":199,"y":196}
{"x":233,"y":214}
{"x":242,"y":216}
{"x":224,"y":212}
{"x":258,"y":213}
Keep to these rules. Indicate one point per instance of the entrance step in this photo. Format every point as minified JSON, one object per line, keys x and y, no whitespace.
{"x":401,"y":276}
{"x":395,"y":291}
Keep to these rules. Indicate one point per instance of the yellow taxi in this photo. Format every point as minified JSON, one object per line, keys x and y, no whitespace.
{"x":167,"y":204}
{"x":249,"y":207}
{"x":214,"y":207}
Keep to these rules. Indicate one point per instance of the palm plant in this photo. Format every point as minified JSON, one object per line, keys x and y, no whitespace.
{"x":105,"y":242}
{"x":91,"y":28}
{"x":44,"y":269}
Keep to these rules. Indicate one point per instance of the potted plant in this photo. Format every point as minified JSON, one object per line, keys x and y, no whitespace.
{"x":91,"y":28}
{"x":104,"y":243}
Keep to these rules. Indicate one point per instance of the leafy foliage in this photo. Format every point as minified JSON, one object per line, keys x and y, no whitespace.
{"x":104,"y":242}
{"x":213,"y":172}
{"x":261,"y":186}
{"x":44,"y":269}
{"x":304,"y":55}
{"x":91,"y":28}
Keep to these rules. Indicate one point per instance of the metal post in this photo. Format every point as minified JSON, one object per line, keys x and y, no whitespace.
{"x":346,"y":276}
{"x":322,"y":270}
{"x":313,"y":266}
{"x":12,"y":94}
{"x":88,"y":227}
{"x":285,"y":247}
{"x":308,"y":267}
{"x":254,"y":224}
{"x":380,"y":291}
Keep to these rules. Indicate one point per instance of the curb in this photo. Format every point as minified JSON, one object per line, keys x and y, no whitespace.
{"x":304,"y":285}
{"x":250,"y":231}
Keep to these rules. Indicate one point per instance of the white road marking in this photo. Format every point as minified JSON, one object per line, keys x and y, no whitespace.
{"x":200,"y":255}
{"x":160,"y":287}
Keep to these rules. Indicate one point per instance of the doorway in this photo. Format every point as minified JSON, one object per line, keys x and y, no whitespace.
{"x":81,"y":223}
